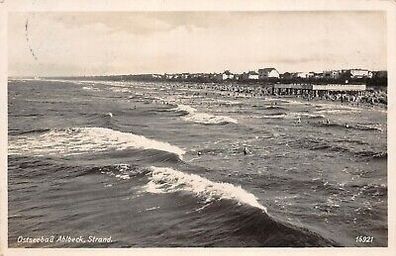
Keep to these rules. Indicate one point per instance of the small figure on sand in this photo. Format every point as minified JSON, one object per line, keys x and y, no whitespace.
{"x":245,"y":151}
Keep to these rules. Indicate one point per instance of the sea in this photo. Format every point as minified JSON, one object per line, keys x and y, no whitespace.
{"x":160,"y":164}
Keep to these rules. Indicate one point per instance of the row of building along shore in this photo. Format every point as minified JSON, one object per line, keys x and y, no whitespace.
{"x":260,"y":76}
{"x":273,"y":74}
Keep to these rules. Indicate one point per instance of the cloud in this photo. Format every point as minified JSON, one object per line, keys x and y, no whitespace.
{"x":157,"y":42}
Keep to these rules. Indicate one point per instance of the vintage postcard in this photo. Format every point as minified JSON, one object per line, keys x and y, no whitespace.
{"x":197,"y":127}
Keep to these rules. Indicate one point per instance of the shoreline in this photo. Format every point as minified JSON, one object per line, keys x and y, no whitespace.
{"x":371,"y":98}
{"x":374,"y":97}
{"x":365,"y":105}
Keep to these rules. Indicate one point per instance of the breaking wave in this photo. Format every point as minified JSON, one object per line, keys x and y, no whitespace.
{"x":168,"y":180}
{"x":292,"y":116}
{"x":373,"y":154}
{"x":72,"y":141}
{"x":361,"y":127}
{"x":275,"y":108}
{"x":235,"y":210}
{"x":192,"y":115}
{"x":345,"y":145}
{"x":335,"y":111}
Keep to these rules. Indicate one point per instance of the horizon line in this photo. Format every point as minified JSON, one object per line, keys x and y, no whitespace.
{"x":157,"y":73}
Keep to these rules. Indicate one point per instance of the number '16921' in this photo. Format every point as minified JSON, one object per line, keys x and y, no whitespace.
{"x":364,"y":239}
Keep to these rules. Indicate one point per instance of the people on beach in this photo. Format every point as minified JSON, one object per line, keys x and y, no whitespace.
{"x":370,"y":96}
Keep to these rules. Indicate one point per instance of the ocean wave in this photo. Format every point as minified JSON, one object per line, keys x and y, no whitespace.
{"x":338,"y":145}
{"x":335,"y":111}
{"x":275,"y":107}
{"x":292,"y":116}
{"x":336,"y":108}
{"x":72,"y":141}
{"x":274,"y":116}
{"x":90,"y":88}
{"x":119,"y":171}
{"x":235,"y":210}
{"x":120,"y":89}
{"x":305,"y":115}
{"x":372,"y":154}
{"x":185,"y":108}
{"x":249,"y":226}
{"x":192,"y":115}
{"x":368,"y":127}
{"x":361,"y":127}
{"x":168,"y":180}
{"x":358,"y":142}
{"x":32,"y":131}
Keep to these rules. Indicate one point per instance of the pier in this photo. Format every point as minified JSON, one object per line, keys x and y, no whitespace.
{"x":317,"y":90}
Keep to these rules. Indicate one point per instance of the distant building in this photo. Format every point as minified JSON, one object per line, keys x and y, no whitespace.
{"x":227,"y":75}
{"x":157,"y":76}
{"x":318,"y":75}
{"x":310,"y":74}
{"x":301,"y":74}
{"x":355,"y":73}
{"x":252,"y":75}
{"x":185,"y":76}
{"x":332,"y":74}
{"x":168,"y":76}
{"x":268,"y":73}
{"x":360,"y":73}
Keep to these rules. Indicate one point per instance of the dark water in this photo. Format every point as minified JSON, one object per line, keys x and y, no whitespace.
{"x":163,"y":165}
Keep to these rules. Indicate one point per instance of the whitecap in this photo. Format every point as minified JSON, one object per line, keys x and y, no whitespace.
{"x":74,"y":141}
{"x":90,"y":88}
{"x":168,"y":180}
{"x":203,"y":118}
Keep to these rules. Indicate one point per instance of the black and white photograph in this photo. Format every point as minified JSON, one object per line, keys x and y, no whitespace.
{"x":203,"y":129}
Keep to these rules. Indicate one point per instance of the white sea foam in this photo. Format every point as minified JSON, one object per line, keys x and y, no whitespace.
{"x":304,"y":115}
{"x":203,"y":118}
{"x":124,"y":171}
{"x":90,"y":88}
{"x":292,"y":115}
{"x":278,"y":116}
{"x":335,"y":111}
{"x":73,"y":141}
{"x":120,"y":89}
{"x":153,"y":208}
{"x":186,"y":108}
{"x":168,"y":180}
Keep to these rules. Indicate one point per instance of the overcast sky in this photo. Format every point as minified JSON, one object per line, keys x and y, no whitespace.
{"x":51,"y":44}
